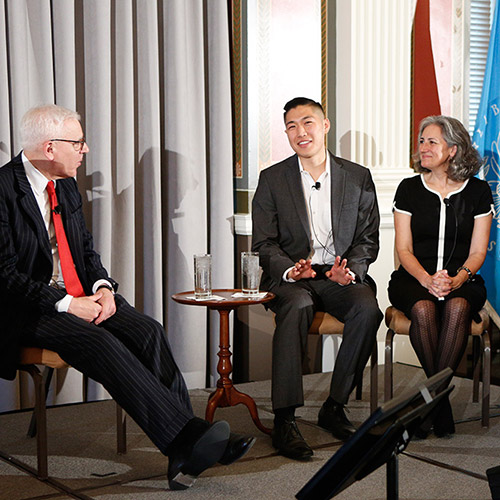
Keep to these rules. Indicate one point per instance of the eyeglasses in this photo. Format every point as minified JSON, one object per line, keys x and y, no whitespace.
{"x":77,"y":145}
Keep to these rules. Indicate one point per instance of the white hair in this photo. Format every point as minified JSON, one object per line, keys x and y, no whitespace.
{"x":41,"y":123}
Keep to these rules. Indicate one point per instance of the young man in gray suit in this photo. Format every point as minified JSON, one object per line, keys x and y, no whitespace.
{"x":46,"y":304}
{"x":315,"y":226}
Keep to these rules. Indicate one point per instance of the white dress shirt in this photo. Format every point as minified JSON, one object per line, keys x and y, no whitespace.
{"x":318,"y":203}
{"x":38,"y":183}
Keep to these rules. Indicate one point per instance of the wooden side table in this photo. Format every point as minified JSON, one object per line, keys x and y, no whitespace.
{"x":226,"y":394}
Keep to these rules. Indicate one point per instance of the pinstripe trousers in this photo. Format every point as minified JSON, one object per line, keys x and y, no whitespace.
{"x":130,"y":356}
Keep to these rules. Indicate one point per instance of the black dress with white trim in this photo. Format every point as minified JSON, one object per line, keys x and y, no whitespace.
{"x":442,"y":232}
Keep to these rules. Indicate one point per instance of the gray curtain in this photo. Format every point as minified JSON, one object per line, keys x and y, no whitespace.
{"x":151,"y":79}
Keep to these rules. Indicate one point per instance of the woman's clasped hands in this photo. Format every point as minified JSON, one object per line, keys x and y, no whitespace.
{"x":440,"y":284}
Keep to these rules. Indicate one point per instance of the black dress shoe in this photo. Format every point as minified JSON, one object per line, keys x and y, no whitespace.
{"x":332,"y":417}
{"x":288,"y":440}
{"x":186,"y":465}
{"x":236,"y":448}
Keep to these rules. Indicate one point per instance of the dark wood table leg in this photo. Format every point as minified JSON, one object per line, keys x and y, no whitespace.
{"x":238,"y":397}
{"x":226,"y":394}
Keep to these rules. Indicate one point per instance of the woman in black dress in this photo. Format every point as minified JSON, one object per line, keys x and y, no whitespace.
{"x":442,"y":220}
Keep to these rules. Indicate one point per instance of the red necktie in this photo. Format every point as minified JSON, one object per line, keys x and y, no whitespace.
{"x":71,"y":280}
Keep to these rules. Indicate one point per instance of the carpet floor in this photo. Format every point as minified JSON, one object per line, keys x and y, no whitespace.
{"x":83,"y":462}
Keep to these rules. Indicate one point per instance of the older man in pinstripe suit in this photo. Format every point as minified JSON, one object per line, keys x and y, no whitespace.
{"x":94,"y":329}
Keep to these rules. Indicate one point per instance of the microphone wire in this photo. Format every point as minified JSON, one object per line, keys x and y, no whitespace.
{"x":330,"y":234}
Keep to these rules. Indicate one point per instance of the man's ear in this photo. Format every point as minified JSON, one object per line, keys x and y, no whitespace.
{"x":327,"y":125}
{"x":48,"y":150}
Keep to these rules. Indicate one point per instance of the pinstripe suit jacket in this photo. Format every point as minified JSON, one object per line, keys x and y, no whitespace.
{"x":26,"y":256}
{"x":281,"y":232}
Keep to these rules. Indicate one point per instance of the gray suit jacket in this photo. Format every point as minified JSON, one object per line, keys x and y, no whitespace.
{"x":281,"y":231}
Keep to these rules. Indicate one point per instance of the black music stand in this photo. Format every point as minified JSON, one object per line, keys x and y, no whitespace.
{"x":379,"y":440}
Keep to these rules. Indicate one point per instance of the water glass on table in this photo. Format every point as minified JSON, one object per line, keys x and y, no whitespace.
{"x":250,"y":273}
{"x":202,"y":276}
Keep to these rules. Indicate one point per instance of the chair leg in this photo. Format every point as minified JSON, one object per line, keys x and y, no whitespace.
{"x":121,"y":430}
{"x":46,"y":379}
{"x":476,"y":367}
{"x":374,"y":378}
{"x":39,"y":419}
{"x":388,"y":365}
{"x":359,"y":390}
{"x":485,"y":410}
{"x":121,"y":420}
{"x":85,"y":388}
{"x":373,"y":381}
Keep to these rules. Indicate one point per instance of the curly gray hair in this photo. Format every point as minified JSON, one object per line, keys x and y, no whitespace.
{"x":466,"y":162}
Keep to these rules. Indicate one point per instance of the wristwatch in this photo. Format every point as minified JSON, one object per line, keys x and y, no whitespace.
{"x":469,"y":272}
{"x":109,"y":287}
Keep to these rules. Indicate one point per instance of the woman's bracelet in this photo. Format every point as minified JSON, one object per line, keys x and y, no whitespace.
{"x":469,"y":272}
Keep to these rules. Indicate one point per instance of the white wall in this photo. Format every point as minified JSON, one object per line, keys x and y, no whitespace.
{"x":372,"y":127}
{"x":373,"y":113}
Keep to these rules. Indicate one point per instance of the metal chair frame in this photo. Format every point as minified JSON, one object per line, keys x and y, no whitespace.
{"x":30,"y":358}
{"x":325,"y":324}
{"x":481,"y":356}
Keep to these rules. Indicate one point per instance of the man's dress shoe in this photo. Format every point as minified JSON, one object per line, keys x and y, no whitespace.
{"x":288,"y":440}
{"x":333,"y":418}
{"x":236,"y":448}
{"x":186,"y":465}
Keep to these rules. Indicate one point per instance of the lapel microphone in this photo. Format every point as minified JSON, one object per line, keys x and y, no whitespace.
{"x":57,"y":210}
{"x":317,"y":185}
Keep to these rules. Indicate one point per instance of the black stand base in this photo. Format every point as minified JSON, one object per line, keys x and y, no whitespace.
{"x":393,"y":478}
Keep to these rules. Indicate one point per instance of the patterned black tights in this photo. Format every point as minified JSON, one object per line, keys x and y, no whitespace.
{"x":439,"y":333}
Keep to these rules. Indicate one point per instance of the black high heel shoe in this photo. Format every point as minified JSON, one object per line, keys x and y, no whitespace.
{"x":424,"y":429}
{"x":444,"y":425}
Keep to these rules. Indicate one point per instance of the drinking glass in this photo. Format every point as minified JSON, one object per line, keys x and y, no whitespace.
{"x":202,"y":276}
{"x":250,"y":273}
